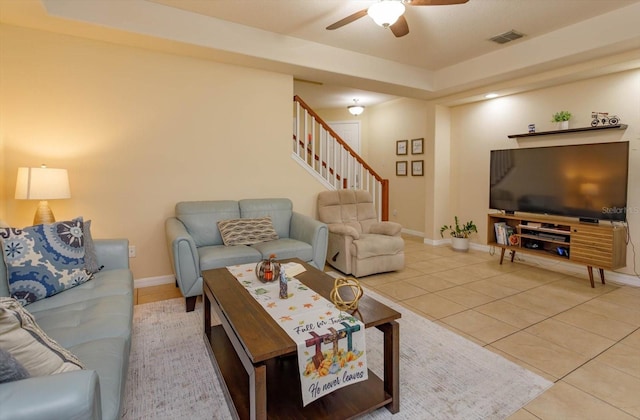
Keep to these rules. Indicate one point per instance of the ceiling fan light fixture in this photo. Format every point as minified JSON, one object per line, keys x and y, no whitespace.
{"x":355,"y":109}
{"x":385,"y":13}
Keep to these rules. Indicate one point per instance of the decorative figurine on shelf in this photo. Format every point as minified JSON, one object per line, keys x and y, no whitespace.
{"x":284,"y":292}
{"x":603,"y":118}
{"x":268,"y":270}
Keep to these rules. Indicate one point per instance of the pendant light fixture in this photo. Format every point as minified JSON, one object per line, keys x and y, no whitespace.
{"x":355,"y":109}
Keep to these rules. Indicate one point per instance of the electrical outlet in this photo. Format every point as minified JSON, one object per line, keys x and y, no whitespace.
{"x":132,"y":251}
{"x":395,"y":212}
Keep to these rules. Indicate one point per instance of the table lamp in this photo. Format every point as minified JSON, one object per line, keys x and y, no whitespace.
{"x":42,"y":184}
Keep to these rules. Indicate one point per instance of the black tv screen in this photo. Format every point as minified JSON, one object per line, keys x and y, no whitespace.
{"x":586,"y":181}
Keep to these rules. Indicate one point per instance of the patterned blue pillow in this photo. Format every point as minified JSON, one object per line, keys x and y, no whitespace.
{"x":43,"y":260}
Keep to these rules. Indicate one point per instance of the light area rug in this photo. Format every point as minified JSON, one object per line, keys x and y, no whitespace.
{"x":442,"y":375}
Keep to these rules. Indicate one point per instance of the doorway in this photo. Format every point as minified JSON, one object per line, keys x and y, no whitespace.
{"x":349,"y":131}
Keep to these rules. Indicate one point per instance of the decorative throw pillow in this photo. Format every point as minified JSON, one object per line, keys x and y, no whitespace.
{"x":43,"y":260}
{"x":90,"y":256}
{"x":247,"y":231}
{"x":29,"y":345}
{"x":10,"y":368}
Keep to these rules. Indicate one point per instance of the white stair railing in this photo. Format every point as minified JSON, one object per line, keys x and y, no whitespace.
{"x":322,"y":152}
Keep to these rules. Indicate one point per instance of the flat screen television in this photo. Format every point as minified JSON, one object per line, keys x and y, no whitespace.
{"x":588,"y":181}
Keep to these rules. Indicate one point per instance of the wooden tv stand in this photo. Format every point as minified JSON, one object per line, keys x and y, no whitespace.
{"x":602,"y":246}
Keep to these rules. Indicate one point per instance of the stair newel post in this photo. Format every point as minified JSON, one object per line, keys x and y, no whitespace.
{"x":385,"y":200}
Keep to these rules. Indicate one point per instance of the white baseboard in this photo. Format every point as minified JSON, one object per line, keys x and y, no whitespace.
{"x":413,"y":232}
{"x":153,"y":281}
{"x":554,"y":265}
{"x":425,"y":241}
{"x":437,"y":242}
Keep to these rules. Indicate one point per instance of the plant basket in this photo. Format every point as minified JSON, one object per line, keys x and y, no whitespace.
{"x":460,"y":244}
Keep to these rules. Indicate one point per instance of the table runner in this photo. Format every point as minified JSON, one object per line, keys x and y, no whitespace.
{"x":331,"y":343}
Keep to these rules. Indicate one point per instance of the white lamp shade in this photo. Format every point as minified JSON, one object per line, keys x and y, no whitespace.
{"x":386,"y":13}
{"x":42,"y":184}
{"x":355,"y":109}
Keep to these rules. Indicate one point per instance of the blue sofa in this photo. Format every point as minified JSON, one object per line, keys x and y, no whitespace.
{"x":195,"y":243}
{"x":94,"y":322}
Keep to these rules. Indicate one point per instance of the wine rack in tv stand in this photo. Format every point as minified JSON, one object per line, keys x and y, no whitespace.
{"x":602,"y":246}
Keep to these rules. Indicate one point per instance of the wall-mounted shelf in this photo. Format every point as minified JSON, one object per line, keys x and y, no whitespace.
{"x":570,"y":130}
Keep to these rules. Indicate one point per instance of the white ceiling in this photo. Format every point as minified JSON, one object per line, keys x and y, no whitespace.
{"x":440,"y":35}
{"x":446,"y":55}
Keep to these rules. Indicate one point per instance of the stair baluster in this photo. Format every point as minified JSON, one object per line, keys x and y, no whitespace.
{"x":322,"y":152}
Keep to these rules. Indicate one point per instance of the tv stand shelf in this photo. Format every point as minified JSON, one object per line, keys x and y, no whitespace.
{"x":543,"y":229}
{"x":593,"y":245}
{"x":570,"y":130}
{"x":537,"y":238}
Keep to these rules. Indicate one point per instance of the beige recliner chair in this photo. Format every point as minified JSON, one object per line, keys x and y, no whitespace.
{"x":358,"y":244}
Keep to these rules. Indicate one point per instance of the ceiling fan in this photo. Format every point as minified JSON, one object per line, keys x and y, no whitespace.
{"x":389,"y":14}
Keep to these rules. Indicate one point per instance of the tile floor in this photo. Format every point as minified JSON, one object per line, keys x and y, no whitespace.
{"x":587,"y":341}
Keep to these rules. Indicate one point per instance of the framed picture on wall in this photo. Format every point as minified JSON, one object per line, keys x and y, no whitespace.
{"x":401,"y":147}
{"x":401,"y":168}
{"x":417,"y":146}
{"x":417,"y":167}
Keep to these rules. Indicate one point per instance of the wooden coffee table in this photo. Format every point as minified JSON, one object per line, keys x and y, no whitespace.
{"x":257,"y":364}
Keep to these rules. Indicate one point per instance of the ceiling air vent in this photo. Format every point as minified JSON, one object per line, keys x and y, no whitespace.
{"x":506,"y":37}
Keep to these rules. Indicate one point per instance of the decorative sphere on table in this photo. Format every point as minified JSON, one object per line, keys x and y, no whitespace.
{"x":356,"y":291}
{"x":268,"y":270}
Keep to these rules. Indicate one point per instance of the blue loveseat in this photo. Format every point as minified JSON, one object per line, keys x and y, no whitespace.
{"x":94,"y":322}
{"x":195,"y":243}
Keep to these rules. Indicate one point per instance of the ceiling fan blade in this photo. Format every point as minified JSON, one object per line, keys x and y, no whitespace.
{"x":348,"y":19}
{"x":400,"y":28}
{"x":434,"y":2}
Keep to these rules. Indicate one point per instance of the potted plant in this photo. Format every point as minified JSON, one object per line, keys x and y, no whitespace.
{"x":562,"y":118}
{"x":459,"y":234}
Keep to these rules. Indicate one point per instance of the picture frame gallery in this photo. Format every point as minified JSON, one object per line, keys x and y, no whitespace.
{"x":402,"y":149}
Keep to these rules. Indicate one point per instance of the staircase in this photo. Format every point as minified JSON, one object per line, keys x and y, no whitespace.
{"x":318,"y":149}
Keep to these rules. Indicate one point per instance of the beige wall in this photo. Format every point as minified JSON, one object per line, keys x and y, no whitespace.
{"x":439,"y":205}
{"x":401,"y":119}
{"x":2,"y":158}
{"x":139,"y":131}
{"x":480,"y":127}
